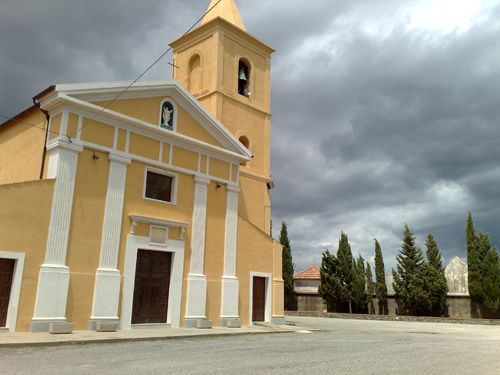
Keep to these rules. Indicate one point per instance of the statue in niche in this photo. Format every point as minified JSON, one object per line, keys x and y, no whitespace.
{"x":167,"y":118}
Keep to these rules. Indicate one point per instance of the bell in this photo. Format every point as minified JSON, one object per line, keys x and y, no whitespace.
{"x":243,"y":76}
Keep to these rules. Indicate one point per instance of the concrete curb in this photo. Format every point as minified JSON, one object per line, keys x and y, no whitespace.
{"x":37,"y":344}
{"x":422,"y":319}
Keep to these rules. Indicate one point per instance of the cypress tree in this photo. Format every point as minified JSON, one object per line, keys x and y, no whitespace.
{"x":329,"y":288}
{"x":345,"y":269}
{"x":380,"y":286}
{"x":359,"y":296}
{"x":408,"y":280}
{"x":490,"y":271}
{"x":370,"y":289}
{"x":434,"y":278}
{"x":474,"y":275}
{"x":287,"y":265}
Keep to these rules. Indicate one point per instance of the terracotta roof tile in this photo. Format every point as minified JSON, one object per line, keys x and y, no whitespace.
{"x":311,"y":273}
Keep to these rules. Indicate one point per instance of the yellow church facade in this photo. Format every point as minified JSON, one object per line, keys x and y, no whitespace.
{"x":149,"y":210}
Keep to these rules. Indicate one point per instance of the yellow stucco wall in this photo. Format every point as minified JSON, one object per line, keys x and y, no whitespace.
{"x":84,"y":243}
{"x":21,"y":149}
{"x":255,"y":254}
{"x":214,"y":249}
{"x":252,"y":201}
{"x":27,"y":207}
{"x":97,"y":132}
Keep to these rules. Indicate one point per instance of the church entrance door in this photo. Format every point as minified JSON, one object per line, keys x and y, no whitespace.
{"x":259,"y":299}
{"x":6,"y":274}
{"x":152,"y":282}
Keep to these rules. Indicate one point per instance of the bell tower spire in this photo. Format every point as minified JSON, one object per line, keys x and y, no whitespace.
{"x":225,"y":9}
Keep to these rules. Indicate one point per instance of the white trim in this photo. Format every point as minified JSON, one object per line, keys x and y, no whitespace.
{"x":80,"y":95}
{"x":79,"y":127}
{"x":151,"y":227}
{"x":15,"y":290}
{"x":134,"y":243}
{"x":158,"y":222}
{"x":267,"y":312}
{"x":173,"y":193}
{"x":176,"y":111}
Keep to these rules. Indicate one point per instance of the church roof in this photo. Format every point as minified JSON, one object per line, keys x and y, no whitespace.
{"x":311,"y":273}
{"x":225,"y":9}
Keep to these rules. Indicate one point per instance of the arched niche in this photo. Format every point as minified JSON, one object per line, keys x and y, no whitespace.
{"x":195,"y":73}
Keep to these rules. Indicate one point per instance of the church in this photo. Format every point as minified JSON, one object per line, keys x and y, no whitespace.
{"x":149,"y":204}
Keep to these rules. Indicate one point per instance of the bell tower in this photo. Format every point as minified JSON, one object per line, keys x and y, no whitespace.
{"x":228,"y":71}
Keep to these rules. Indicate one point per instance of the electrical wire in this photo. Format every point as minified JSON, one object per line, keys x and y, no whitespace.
{"x":147,"y":70}
{"x":128,"y":87}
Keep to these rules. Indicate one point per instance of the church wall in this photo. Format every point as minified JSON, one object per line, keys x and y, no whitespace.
{"x":238,"y":117}
{"x":203,"y":46}
{"x":84,"y":242}
{"x":255,"y":254}
{"x":214,"y":248}
{"x":27,"y":206}
{"x":252,"y":201}
{"x":258,"y":77}
{"x":18,"y":162}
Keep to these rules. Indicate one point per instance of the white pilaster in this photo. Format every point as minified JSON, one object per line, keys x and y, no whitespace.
{"x":230,"y":284}
{"x":53,"y":283}
{"x":107,"y":281}
{"x":197,"y":281}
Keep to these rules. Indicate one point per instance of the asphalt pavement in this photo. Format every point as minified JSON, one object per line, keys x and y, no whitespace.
{"x":314,"y":346}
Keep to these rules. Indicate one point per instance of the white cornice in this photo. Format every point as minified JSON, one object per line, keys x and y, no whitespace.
{"x":115,"y":118}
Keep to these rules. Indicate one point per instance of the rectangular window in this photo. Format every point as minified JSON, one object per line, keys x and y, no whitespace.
{"x":160,"y":185}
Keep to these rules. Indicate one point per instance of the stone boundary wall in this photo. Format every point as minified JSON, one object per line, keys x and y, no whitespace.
{"x":426,"y":319}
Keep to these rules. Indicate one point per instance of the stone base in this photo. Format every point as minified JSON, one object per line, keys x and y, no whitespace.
{"x":204,"y":324}
{"x":189,"y":323}
{"x":43,"y":325}
{"x":92,"y":325}
{"x":278,"y":321}
{"x":106,"y":326}
{"x":61,"y":328}
{"x":230,"y":322}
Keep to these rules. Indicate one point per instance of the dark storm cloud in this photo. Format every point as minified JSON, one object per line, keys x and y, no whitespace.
{"x":376,"y":121}
{"x":393,"y":119}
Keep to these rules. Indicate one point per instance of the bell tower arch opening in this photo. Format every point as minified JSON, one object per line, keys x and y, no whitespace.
{"x":244,"y":70}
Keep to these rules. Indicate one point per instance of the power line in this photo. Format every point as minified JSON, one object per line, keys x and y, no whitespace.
{"x":25,"y":123}
{"x":147,"y":70}
{"x":128,"y":87}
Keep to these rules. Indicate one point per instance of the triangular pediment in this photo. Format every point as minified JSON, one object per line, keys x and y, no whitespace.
{"x":141,"y":105}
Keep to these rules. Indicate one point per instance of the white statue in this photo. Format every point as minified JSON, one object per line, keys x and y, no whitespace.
{"x":166,"y":115}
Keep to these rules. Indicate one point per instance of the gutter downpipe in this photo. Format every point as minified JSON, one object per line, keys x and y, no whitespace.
{"x":47,"y":116}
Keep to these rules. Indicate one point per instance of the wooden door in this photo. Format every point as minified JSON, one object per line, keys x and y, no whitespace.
{"x":6,"y":274}
{"x":259,"y":299}
{"x":152,"y":282}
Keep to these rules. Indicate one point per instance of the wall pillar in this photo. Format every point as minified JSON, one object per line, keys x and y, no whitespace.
{"x":196,"y":280}
{"x":108,"y":279}
{"x":230,"y":284}
{"x":53,"y":282}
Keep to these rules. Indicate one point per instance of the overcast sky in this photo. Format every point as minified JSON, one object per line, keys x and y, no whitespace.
{"x":385,"y":112}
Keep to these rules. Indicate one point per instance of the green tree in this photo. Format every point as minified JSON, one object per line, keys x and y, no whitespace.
{"x":337,"y":275}
{"x":490,"y":271}
{"x":474,"y":275}
{"x":287,"y":265}
{"x":434,"y":278}
{"x":408,"y":278}
{"x":380,"y":286}
{"x":329,"y":288}
{"x":359,"y":295}
{"x":370,"y":288}
{"x":345,"y":269}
